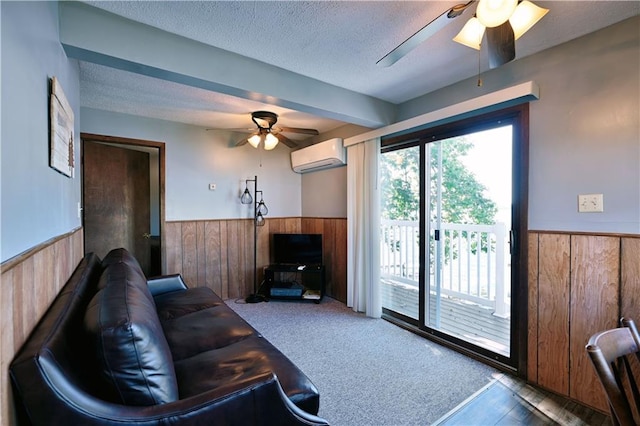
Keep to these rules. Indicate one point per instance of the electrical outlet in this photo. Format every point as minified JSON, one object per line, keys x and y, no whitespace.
{"x":212,"y":187}
{"x":590,"y":203}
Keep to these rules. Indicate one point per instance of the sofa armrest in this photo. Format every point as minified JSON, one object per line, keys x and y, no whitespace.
{"x":297,"y":414}
{"x":50,"y":399}
{"x":166,"y":284}
{"x":258,"y":401}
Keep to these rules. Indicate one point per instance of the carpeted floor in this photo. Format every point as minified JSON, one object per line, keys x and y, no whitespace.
{"x":368,"y":371}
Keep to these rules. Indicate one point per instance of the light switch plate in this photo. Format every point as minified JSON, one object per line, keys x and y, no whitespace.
{"x":590,"y":203}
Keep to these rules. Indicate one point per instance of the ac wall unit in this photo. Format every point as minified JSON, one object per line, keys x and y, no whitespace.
{"x":323,"y":155}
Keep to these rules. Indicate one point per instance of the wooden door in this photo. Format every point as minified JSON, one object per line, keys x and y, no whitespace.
{"x":116,"y":195}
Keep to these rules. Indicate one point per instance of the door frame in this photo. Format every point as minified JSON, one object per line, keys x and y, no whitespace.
{"x":519,"y":114}
{"x":124,"y":142}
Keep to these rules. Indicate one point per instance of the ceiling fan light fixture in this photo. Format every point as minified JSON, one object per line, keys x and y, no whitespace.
{"x":493,"y":13}
{"x":471,"y":34}
{"x":255,"y":140}
{"x":270,"y":142}
{"x":525,"y":16}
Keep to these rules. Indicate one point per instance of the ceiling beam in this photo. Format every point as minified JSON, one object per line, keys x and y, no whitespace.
{"x":139,"y":48}
{"x":510,"y":96}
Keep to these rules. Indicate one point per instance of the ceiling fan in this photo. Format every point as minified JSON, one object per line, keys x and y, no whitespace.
{"x":269,"y":135}
{"x":503,"y":21}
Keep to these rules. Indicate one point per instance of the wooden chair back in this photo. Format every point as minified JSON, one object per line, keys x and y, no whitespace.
{"x":629,"y":323}
{"x":611,"y":353}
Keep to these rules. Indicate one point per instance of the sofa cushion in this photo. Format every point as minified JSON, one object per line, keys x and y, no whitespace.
{"x":178,"y":303}
{"x":241,"y":361}
{"x":204,"y":330}
{"x":135,"y":360}
{"x":121,"y":255}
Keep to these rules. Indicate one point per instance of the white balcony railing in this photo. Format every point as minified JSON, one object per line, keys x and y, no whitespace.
{"x":473,"y":260}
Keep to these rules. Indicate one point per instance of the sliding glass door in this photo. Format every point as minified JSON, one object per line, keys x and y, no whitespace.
{"x":448,"y":224}
{"x":400,"y":233}
{"x":468,"y":202}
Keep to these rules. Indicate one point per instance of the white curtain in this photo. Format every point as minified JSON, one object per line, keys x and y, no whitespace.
{"x":363,"y":228}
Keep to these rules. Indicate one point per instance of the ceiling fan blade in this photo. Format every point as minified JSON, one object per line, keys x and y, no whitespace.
{"x":424,"y":33}
{"x":285,"y":140}
{"x":241,"y":129}
{"x":298,"y":130}
{"x":501,"y":44}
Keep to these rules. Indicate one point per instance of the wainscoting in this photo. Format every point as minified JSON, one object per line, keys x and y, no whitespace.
{"x":219,"y":253}
{"x":216,"y":254}
{"x":579,"y":284}
{"x":28,"y":285}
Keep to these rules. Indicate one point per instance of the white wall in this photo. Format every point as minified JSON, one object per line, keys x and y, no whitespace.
{"x":38,"y":203}
{"x":585,"y":137}
{"x":196,"y":157}
{"x":584,"y":132}
{"x":584,"y":129}
{"x":324,"y":193}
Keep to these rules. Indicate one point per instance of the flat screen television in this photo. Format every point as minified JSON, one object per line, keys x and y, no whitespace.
{"x":297,"y":249}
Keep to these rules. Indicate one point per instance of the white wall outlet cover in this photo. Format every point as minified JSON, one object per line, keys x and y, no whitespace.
{"x":212,"y":187}
{"x":591,"y":203}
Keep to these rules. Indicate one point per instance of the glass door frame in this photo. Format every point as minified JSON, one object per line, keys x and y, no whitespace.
{"x":518,"y":117}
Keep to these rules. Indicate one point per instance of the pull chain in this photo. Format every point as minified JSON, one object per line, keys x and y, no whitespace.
{"x":479,"y":79}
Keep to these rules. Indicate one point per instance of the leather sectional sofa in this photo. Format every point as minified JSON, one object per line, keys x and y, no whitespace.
{"x":115,"y":348}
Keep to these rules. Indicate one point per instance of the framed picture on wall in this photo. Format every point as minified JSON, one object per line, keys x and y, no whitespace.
{"x":61,"y":135}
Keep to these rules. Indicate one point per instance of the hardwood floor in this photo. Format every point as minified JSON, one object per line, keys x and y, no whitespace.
{"x":510,"y":401}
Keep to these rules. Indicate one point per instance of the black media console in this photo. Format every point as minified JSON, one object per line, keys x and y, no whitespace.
{"x":295,"y":282}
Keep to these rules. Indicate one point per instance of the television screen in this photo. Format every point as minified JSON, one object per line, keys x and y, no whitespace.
{"x":297,"y":249}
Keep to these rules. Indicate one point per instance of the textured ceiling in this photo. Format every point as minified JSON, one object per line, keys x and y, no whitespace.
{"x":336,"y":42}
{"x":126,"y":92}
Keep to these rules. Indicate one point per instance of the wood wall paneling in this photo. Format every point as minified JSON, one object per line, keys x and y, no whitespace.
{"x":190,"y":253}
{"x":201,"y":260}
{"x":237,"y":251}
{"x":224,"y":255}
{"x":172,"y":249}
{"x":334,"y":240}
{"x":338,"y":271}
{"x":340,"y":265}
{"x":309,"y":225}
{"x":553,"y":311}
{"x":28,"y":285}
{"x":42,"y":266}
{"x":579,"y":284}
{"x":213,"y":269}
{"x":630,"y":279}
{"x":329,"y":255}
{"x":603,"y":284}
{"x":532,"y":318}
{"x":8,"y":346}
{"x":595,"y":301}
{"x":630,"y":287}
{"x":219,"y":253}
{"x":245,"y":259}
{"x":292,"y":225}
